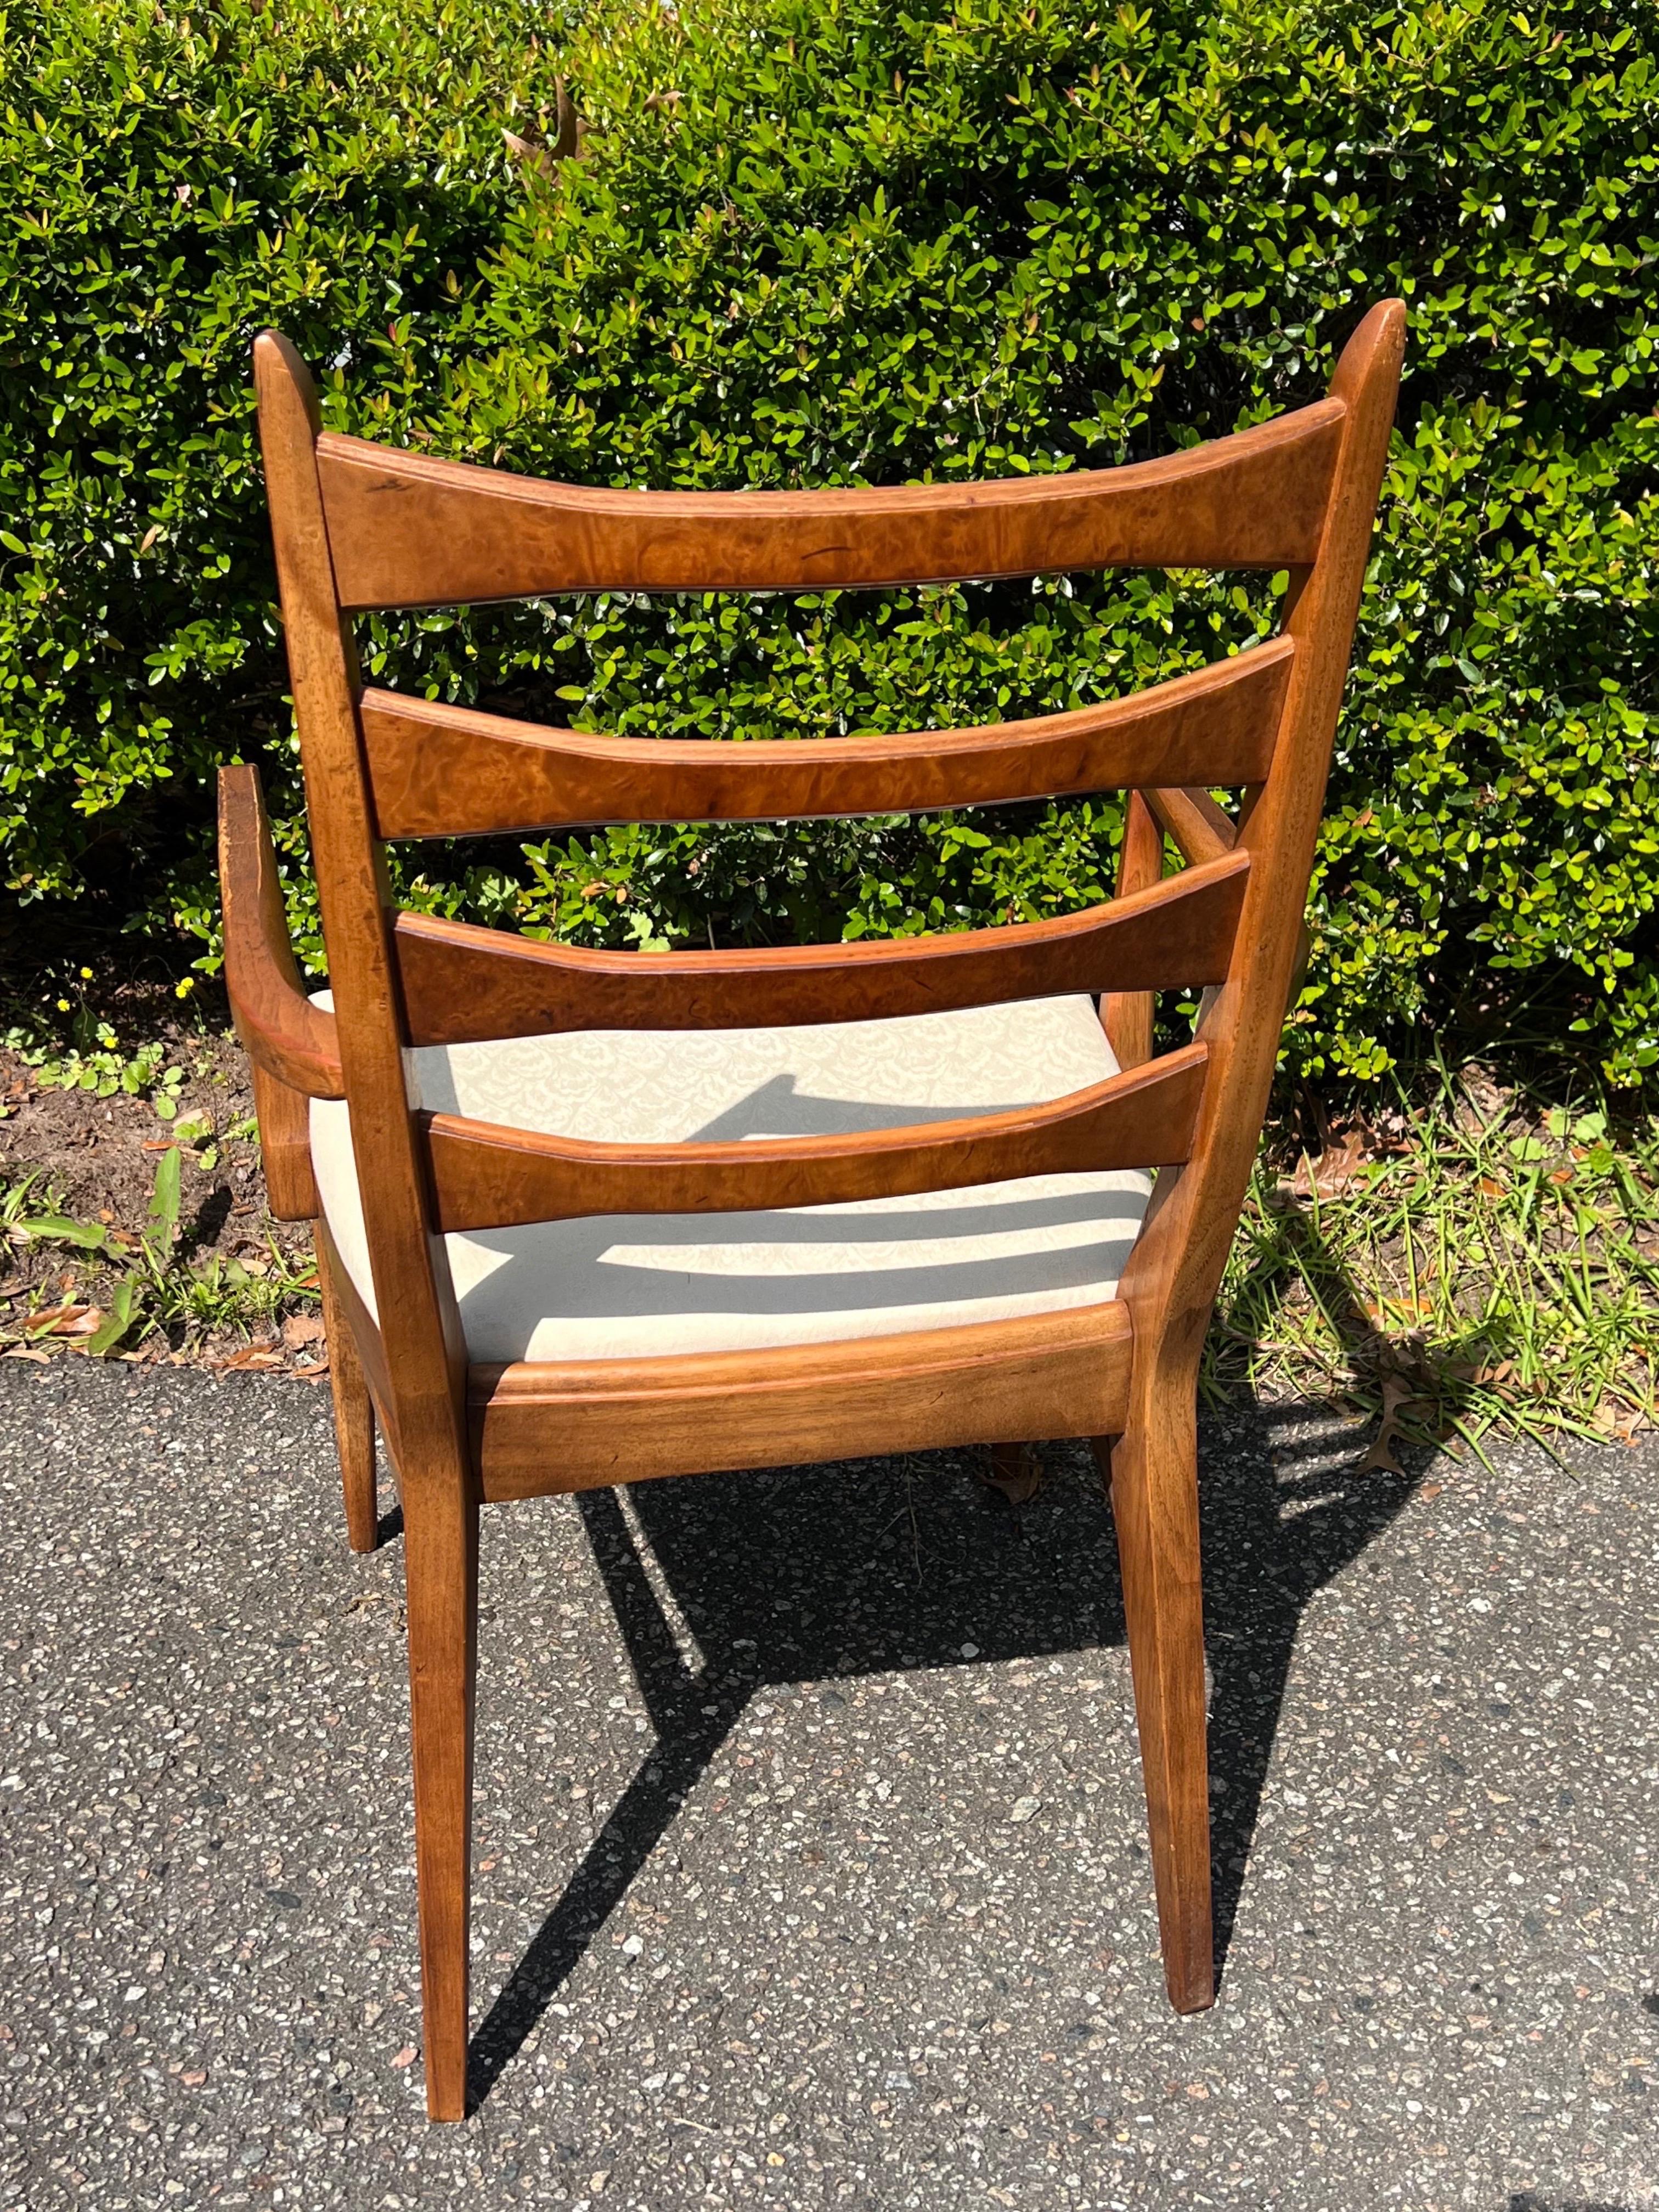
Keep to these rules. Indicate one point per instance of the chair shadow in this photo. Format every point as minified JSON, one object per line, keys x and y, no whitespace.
{"x":821,"y":1573}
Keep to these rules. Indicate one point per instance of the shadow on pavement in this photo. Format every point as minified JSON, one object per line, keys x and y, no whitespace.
{"x":811,"y":1574}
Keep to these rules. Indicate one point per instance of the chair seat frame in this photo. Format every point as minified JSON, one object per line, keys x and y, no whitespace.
{"x":358,"y":526}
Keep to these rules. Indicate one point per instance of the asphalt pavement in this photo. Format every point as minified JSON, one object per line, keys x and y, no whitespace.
{"x":810,"y":1864}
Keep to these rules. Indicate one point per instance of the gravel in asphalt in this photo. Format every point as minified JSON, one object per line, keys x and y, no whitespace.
{"x":810,"y":1858}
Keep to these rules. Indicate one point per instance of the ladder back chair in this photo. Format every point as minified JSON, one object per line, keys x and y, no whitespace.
{"x":584,"y":1216}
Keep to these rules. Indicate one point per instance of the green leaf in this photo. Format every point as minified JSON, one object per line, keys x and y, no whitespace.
{"x":164,"y":1199}
{"x":60,"y":1229}
{"x":118,"y":1321}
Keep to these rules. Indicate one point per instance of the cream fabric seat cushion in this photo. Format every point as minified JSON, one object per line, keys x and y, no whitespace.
{"x":615,"y":1286}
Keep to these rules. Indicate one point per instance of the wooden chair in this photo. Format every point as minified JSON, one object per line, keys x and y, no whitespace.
{"x":512,"y":1149}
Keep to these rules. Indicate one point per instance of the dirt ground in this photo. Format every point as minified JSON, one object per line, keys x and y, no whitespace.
{"x":95,"y":1159}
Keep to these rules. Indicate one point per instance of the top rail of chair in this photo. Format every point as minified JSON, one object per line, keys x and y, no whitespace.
{"x":408,"y":531}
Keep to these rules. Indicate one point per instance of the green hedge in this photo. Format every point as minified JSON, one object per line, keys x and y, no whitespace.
{"x":171,"y":180}
{"x":817,"y":244}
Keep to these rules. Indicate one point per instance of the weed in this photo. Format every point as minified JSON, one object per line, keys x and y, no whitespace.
{"x":155,"y":1284}
{"x":98,"y":1064}
{"x":1490,"y":1261}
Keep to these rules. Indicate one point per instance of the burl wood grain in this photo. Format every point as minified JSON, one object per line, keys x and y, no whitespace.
{"x":407,"y":531}
{"x":487,"y":1178}
{"x":461,"y":983}
{"x":441,"y":771}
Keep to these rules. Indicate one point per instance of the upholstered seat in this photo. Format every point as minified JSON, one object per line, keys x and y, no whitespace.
{"x":612,"y":1286}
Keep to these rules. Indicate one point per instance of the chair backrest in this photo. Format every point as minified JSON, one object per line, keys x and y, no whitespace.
{"x":361,"y":527}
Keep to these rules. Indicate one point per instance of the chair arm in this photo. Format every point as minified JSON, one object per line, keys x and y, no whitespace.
{"x":1204,"y":833}
{"x":1201,"y":830}
{"x":291,"y":1043}
{"x":281,"y":1032}
{"x":1126,"y":1016}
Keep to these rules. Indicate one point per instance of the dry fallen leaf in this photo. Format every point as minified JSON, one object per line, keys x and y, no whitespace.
{"x":1015,"y":1471}
{"x":406,"y":2056}
{"x":1382,"y":1455}
{"x":1395,"y":1394}
{"x":1380,"y":1458}
{"x":570,"y":130}
{"x":253,"y":1355}
{"x":302,"y":1329}
{"x":1491,"y":1377}
{"x":533,"y":156}
{"x":568,"y":134}
{"x":65,"y":1320}
{"x":1336,"y":1167}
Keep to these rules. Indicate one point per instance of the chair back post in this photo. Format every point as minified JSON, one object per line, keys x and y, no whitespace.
{"x":1172,"y":1276}
{"x":425,"y":1358}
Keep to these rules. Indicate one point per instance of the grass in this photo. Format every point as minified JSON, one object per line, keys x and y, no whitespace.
{"x":1474,"y":1252}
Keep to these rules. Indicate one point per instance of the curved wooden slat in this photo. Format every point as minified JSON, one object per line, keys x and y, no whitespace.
{"x":281,"y":1032}
{"x":624,"y":1420}
{"x":461,"y":983}
{"x":442,"y":771}
{"x":1201,"y":830}
{"x":407,"y":531}
{"x":487,"y":1178}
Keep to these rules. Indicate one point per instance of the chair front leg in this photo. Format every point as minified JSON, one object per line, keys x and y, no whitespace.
{"x":441,"y":1555}
{"x":1154,"y":1490}
{"x":354,"y":1413}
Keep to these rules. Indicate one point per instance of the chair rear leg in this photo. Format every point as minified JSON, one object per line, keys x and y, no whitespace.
{"x":354,"y":1414}
{"x":1154,"y":1487}
{"x":440,"y":1553}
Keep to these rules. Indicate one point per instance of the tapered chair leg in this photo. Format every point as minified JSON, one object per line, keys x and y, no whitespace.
{"x":1154,"y":1486}
{"x":354,"y":1414}
{"x":440,"y":1554}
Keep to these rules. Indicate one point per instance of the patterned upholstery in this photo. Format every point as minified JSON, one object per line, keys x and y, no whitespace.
{"x":615,"y":1286}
